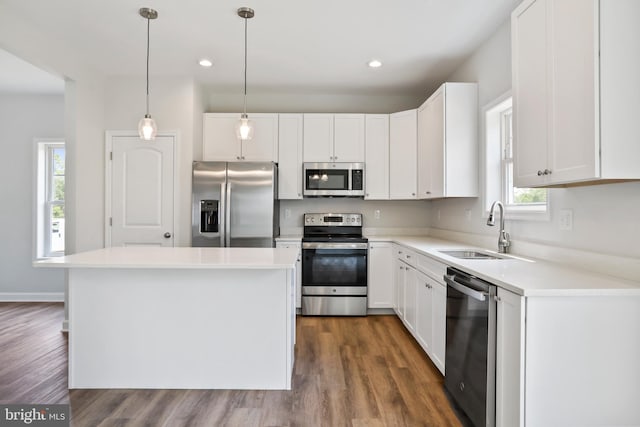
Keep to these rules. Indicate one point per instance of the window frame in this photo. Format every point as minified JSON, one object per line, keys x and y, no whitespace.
{"x":44,"y":200}
{"x":497,"y":164}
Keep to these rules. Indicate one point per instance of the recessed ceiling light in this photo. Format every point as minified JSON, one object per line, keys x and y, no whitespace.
{"x":205,"y":63}
{"x":374,"y":63}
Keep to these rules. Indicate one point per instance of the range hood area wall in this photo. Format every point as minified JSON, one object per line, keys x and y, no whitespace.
{"x":395,"y":216}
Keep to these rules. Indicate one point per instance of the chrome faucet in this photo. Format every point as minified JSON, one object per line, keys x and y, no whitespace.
{"x":503,"y":237}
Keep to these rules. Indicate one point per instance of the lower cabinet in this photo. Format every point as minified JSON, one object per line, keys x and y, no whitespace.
{"x":421,"y":300}
{"x":509,"y":359}
{"x":297,"y":244}
{"x":431,"y":297}
{"x":380,"y":275}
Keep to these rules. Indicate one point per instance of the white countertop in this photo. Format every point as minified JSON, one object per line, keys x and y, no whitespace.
{"x":524,"y":276}
{"x":187,"y":258}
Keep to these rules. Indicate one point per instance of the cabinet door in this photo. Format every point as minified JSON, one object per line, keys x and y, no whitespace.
{"x":399,"y":282}
{"x":263,"y":147}
{"x":510,"y":340}
{"x":431,"y":142}
{"x":380,"y":275}
{"x":318,"y":138}
{"x":410,"y":291}
{"x":530,"y":92}
{"x":290,"y":156}
{"x":348,"y":138}
{"x":439,"y":319}
{"x":376,"y":157}
{"x":424,"y":320}
{"x":219,"y":141}
{"x":574,"y":141}
{"x":403,"y":141}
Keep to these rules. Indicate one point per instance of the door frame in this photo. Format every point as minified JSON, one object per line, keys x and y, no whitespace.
{"x":108,"y":174}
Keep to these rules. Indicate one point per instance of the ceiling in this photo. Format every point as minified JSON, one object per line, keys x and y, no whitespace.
{"x":293,"y":45}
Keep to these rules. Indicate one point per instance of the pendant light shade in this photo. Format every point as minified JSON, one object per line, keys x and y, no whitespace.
{"x":244,"y":128}
{"x":147,"y":128}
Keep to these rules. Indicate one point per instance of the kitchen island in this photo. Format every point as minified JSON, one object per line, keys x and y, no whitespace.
{"x":198,"y":318}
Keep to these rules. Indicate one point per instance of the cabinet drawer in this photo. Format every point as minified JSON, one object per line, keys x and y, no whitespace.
{"x":431,"y":267}
{"x":406,"y":255}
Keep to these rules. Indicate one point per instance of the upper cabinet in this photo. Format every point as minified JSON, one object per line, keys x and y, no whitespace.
{"x":403,"y":140}
{"x":576,"y":91}
{"x":334,"y":137}
{"x":290,"y":156}
{"x":220,"y":142}
{"x":376,"y":155}
{"x":447,"y":142}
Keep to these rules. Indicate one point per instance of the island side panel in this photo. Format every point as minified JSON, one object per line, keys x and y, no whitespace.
{"x":180,"y":328}
{"x":582,"y":361}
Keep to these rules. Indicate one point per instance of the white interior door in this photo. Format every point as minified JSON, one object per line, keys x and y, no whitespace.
{"x":142,"y":191}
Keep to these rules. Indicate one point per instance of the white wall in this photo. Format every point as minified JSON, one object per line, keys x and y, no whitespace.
{"x":269,"y":102}
{"x":175,"y":106}
{"x":605,"y":216}
{"x":24,"y":117}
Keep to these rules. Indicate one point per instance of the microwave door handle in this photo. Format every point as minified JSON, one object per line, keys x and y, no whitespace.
{"x":451,"y":281}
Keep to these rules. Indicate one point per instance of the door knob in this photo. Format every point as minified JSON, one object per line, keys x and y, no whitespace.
{"x":167,"y":235}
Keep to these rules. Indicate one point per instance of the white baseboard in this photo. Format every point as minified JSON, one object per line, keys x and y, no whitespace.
{"x":31,"y":296}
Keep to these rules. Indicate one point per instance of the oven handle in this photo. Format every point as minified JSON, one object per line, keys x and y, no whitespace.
{"x":324,"y":245}
{"x":451,"y":281}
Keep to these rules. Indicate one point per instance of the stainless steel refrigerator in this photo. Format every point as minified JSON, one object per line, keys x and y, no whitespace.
{"x":234,"y":204}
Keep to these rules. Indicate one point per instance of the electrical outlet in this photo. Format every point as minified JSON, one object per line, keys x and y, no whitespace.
{"x":438,"y":214}
{"x":376,"y":214}
{"x":287,"y":213}
{"x":467,"y":214}
{"x":566,"y":219}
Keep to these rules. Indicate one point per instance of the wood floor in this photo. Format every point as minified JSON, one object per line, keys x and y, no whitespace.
{"x":348,"y":372}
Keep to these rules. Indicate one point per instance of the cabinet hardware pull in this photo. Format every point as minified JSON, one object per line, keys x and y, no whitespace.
{"x":540,"y":173}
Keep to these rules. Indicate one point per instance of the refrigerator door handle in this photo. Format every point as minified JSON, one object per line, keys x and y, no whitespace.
{"x":227,"y":212}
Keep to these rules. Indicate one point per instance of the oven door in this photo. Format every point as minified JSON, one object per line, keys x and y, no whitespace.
{"x":334,"y":265}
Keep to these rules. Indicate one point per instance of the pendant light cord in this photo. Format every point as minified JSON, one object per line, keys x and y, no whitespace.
{"x":148,"y":21}
{"x":245,"y":66}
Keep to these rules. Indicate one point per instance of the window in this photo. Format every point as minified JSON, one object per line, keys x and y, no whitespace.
{"x":50,"y":218}
{"x":520,"y":203}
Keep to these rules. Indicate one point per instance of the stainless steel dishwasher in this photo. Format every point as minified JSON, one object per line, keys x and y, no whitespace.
{"x":471,"y":346}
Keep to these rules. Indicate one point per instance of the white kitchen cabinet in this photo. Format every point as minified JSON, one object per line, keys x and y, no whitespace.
{"x":318,"y":138}
{"x":380,"y":275}
{"x":348,"y":137}
{"x":574,"y":69}
{"x":509,"y":359}
{"x":424,"y":322}
{"x":559,"y":359}
{"x":447,"y":142}
{"x":333,"y":138}
{"x":431,"y":311}
{"x":290,"y":156}
{"x":376,"y":157}
{"x":403,"y":142}
{"x":410,"y":291}
{"x":406,"y":284}
{"x":220,"y":142}
{"x":295,"y":244}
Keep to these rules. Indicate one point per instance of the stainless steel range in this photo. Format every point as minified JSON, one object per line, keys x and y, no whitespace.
{"x":334,"y":265}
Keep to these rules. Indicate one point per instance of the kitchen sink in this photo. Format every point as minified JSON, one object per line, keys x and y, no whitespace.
{"x":471,"y":254}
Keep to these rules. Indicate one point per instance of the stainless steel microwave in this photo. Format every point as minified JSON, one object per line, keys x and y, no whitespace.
{"x":333,"y":179}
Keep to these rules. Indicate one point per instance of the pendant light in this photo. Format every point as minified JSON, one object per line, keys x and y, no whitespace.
{"x":244,"y":129}
{"x":147,"y":128}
